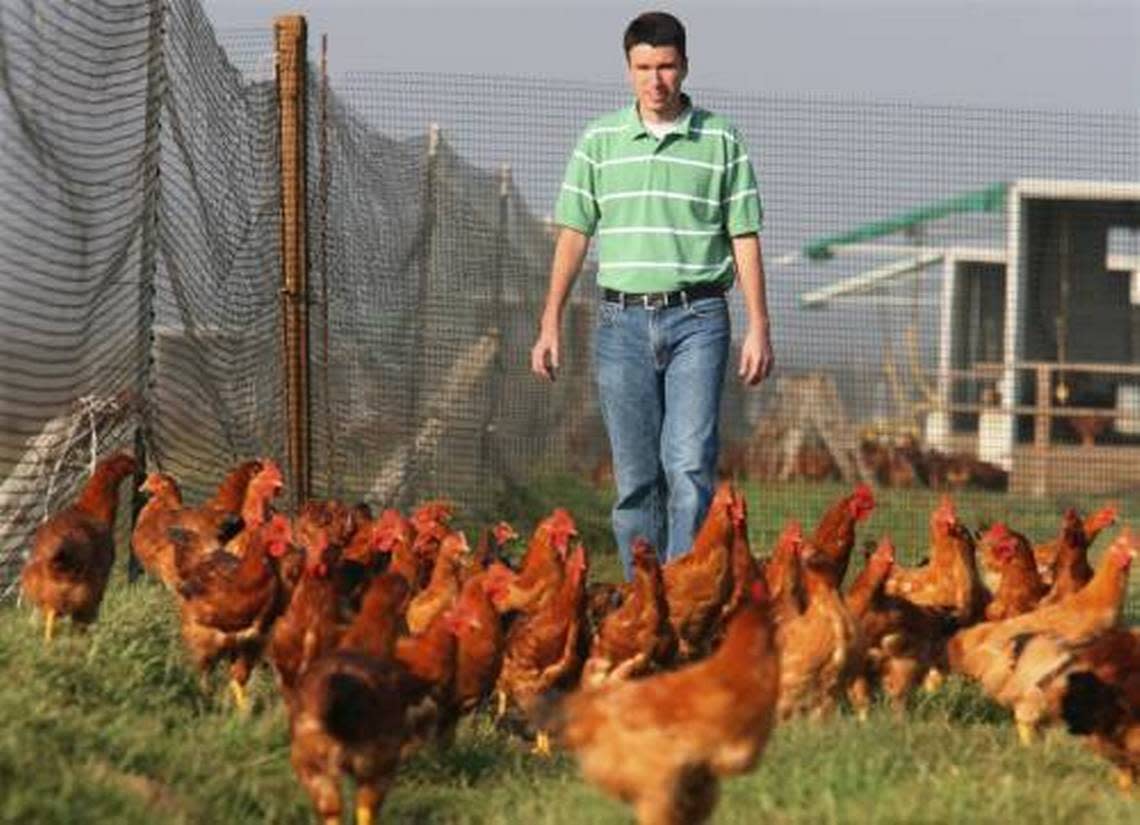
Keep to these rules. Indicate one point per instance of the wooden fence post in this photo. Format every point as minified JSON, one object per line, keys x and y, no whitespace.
{"x":291,"y":50}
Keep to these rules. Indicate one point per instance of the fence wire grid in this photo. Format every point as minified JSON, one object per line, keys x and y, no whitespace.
{"x":140,"y":253}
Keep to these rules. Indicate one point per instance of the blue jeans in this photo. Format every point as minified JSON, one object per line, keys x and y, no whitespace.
{"x":660,"y":374}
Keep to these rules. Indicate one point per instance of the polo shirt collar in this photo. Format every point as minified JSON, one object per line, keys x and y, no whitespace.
{"x":683,"y":126}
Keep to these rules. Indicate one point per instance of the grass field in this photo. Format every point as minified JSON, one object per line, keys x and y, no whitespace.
{"x":110,"y":727}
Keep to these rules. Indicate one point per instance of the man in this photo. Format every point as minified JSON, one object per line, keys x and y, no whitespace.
{"x":671,"y":194}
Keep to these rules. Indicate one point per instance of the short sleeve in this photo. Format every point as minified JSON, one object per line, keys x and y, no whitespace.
{"x":743,"y":212}
{"x":577,"y":205}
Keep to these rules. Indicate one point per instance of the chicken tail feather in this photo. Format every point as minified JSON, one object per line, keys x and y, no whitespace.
{"x":1088,"y":704}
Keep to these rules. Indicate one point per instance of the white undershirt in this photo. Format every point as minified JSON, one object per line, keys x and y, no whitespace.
{"x":662,"y":128}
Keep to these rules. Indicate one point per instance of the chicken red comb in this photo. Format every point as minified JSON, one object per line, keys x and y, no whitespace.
{"x":504,"y":532}
{"x":945,"y":515}
{"x":431,"y":531}
{"x":392,"y":525}
{"x":155,"y":482}
{"x":434,"y":510}
{"x":861,"y":502}
{"x":1102,"y":518}
{"x":561,"y":528}
{"x":455,"y":541}
{"x":997,"y":532}
{"x":390,"y":519}
{"x":561,"y":520}
{"x":270,"y":473}
{"x":1003,"y":550}
{"x":793,"y":531}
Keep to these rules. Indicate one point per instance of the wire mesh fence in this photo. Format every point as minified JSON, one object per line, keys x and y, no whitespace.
{"x":923,"y":263}
{"x":139,"y":247}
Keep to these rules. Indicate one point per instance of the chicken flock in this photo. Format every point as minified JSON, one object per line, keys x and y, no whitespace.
{"x":383,"y":631}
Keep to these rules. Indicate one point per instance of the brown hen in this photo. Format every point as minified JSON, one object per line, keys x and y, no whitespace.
{"x":72,"y":552}
{"x":662,"y":743}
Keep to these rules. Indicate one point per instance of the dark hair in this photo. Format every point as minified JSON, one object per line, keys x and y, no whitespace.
{"x":655,"y":28}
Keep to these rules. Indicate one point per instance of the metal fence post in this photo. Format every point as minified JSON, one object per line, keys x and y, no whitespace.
{"x":490,"y":446}
{"x":423,"y":292}
{"x":291,"y":50}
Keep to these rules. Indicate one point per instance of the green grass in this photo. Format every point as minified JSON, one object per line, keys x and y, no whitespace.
{"x":110,"y":727}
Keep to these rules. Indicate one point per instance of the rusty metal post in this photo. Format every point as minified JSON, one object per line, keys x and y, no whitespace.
{"x":1042,"y":423}
{"x":323,"y":171}
{"x":290,"y":32}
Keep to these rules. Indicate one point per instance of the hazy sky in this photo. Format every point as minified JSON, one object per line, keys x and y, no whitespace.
{"x":1053,"y":54}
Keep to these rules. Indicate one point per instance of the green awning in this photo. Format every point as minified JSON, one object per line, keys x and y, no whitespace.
{"x":990,"y":199}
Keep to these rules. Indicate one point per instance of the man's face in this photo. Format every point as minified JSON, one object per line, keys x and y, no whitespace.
{"x":656,"y":74}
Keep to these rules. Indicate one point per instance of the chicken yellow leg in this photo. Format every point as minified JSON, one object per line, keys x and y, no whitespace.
{"x":933,"y":681}
{"x":49,"y":625}
{"x":542,"y":745}
{"x":1026,"y":733}
{"x":240,"y":698}
{"x":363,"y":814}
{"x":1125,"y":780}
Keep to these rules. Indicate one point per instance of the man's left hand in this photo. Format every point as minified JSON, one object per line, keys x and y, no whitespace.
{"x":756,"y":358}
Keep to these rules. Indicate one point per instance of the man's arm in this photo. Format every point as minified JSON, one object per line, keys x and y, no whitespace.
{"x":756,"y":358}
{"x":569,"y":252}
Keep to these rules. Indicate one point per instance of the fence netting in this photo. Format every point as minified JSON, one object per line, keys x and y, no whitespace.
{"x":953,"y":290}
{"x":139,"y":244}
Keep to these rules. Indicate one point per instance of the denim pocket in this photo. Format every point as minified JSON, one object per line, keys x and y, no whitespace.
{"x":708,"y":307}
{"x":608,"y":313}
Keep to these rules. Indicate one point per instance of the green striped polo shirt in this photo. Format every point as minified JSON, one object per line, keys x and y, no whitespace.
{"x":664,"y":210}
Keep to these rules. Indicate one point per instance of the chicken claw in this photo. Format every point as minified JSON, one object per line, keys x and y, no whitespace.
{"x":542,"y":745}
{"x":49,"y":625}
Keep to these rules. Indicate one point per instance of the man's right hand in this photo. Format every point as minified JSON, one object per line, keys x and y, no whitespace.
{"x":544,"y":355}
{"x":569,"y":252}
